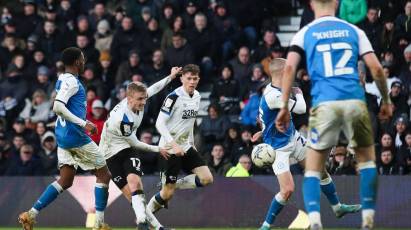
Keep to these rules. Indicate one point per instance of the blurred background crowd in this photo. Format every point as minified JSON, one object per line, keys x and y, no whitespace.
{"x":232,"y":41}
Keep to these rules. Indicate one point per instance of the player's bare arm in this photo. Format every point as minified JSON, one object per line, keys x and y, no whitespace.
{"x":375,"y":67}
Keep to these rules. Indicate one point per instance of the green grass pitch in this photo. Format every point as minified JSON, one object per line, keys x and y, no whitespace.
{"x":11,"y":228}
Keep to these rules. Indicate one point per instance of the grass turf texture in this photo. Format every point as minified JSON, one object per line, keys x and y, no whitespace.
{"x":12,"y":228}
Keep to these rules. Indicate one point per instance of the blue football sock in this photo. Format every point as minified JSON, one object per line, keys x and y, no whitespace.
{"x":160,"y":200}
{"x":48,"y":196}
{"x":276,"y":206}
{"x":328,"y":189}
{"x":311,"y":191}
{"x":368,"y":184}
{"x":101,"y":196}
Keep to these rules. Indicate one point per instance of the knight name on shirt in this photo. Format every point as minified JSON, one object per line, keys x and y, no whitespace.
{"x":331,"y":34}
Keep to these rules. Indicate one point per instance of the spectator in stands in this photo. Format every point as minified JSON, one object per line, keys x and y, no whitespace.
{"x":125,"y":39}
{"x":254,"y":82}
{"x":241,"y":64}
{"x":341,"y":162}
{"x":116,"y":97}
{"x":48,"y":154}
{"x":30,"y":19}
{"x":5,"y":153}
{"x":9,"y":48}
{"x":180,"y":53}
{"x":372,"y":27}
{"x":402,"y":23}
{"x":177,"y":26}
{"x":244,"y":146}
{"x":19,"y":128}
{"x":232,"y":138}
{"x":98,"y":116}
{"x":387,"y":36}
{"x":274,"y":52}
{"x":97,"y":15}
{"x":353,"y":11}
{"x":37,"y":60}
{"x":83,"y":27}
{"x":387,"y":165}
{"x":404,"y":154}
{"x":386,"y":142}
{"x":25,"y":164}
{"x":399,"y":100}
{"x":103,"y":36}
{"x":228,"y":31}
{"x":151,"y":39}
{"x":167,"y":16}
{"x":242,"y":169}
{"x":226,"y":91}
{"x":188,"y":15}
{"x":18,"y":141}
{"x":106,"y":70}
{"x":149,"y":160}
{"x":405,"y":78}
{"x":90,"y":80}
{"x":40,"y":130}
{"x":270,"y":40}
{"x":128,"y":68}
{"x":203,"y":40}
{"x":91,"y":54}
{"x":157,"y":68}
{"x":52,"y":41}
{"x":14,"y":87}
{"x":213,"y":126}
{"x":66,"y":13}
{"x":249,"y":114}
{"x":401,"y":124}
{"x":36,"y":109}
{"x":218,"y":163}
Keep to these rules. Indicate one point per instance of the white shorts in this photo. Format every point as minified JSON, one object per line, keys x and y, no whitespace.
{"x":88,"y":157}
{"x":290,"y":154}
{"x":328,"y":119}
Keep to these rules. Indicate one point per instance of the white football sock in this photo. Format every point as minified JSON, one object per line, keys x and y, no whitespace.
{"x":99,"y":218}
{"x":187,"y":182}
{"x":315,"y":218}
{"x":137,"y":201}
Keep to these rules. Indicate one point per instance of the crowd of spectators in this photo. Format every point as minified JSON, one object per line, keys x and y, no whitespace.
{"x":232,"y":41}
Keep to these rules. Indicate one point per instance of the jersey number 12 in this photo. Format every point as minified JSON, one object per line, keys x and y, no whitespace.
{"x":340,"y":68}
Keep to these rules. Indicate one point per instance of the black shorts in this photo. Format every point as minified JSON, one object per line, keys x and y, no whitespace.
{"x":171,"y":167}
{"x":125,"y":162}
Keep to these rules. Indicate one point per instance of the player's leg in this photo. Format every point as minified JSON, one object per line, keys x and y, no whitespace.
{"x":281,"y":168}
{"x":329,"y":190}
{"x":171,"y":168}
{"x":201,"y":175}
{"x":67,"y":172}
{"x":358,"y":130}
{"x":90,"y":158}
{"x":323,"y":133}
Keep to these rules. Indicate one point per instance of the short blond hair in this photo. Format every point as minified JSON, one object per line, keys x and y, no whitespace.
{"x":276,"y":66}
{"x":134,"y":87}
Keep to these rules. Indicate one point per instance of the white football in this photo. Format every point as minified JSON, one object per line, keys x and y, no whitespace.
{"x":263,"y":155}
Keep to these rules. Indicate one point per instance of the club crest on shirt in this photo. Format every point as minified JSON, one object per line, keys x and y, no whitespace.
{"x":126,"y":128}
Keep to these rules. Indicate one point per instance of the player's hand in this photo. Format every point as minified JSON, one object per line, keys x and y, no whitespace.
{"x":283,"y":120}
{"x":256,"y":136}
{"x":90,"y":127}
{"x":175,"y":71}
{"x":296,"y":90}
{"x":164,"y":153}
{"x":177,"y":149}
{"x":385,"y":112}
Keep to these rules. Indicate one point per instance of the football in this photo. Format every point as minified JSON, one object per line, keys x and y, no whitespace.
{"x":263,"y":155}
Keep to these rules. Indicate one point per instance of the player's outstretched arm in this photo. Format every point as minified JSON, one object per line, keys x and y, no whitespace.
{"x":377,"y":73}
{"x":158,"y":86}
